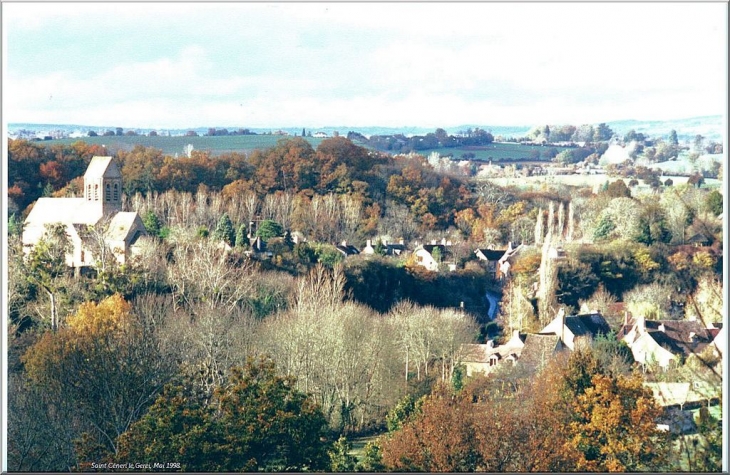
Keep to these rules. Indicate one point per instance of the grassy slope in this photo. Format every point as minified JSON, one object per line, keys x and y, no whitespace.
{"x":174,"y":145}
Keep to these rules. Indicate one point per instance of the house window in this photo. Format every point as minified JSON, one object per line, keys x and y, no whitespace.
{"x":96,"y":192}
{"x":88,"y":192}
{"x":116,"y":191}
{"x":107,"y":192}
{"x":83,"y":255}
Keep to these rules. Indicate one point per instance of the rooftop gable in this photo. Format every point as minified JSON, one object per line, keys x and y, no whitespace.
{"x":491,"y":254}
{"x":539,"y":350}
{"x":122,"y":224}
{"x":104,"y":167}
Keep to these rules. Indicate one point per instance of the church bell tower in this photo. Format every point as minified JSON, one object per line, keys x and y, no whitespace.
{"x":103,"y":186}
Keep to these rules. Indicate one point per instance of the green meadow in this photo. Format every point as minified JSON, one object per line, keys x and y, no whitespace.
{"x":498,"y":152}
{"x":217,"y":145}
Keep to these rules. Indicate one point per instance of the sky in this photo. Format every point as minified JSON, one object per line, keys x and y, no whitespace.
{"x":185,"y":65}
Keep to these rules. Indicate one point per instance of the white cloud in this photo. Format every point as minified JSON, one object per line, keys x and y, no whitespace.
{"x":425,"y":64}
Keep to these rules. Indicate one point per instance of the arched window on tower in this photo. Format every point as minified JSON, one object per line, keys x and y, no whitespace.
{"x":96,"y":192}
{"x":107,"y":192}
{"x":116,"y":191}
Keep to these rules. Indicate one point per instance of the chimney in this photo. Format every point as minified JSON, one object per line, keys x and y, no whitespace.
{"x":433,"y":241}
{"x":443,"y":241}
{"x":344,"y":243}
{"x":401,"y":242}
{"x":662,"y":328}
{"x":490,"y":344}
{"x":369,"y":243}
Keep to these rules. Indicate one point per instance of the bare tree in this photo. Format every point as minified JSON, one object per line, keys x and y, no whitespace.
{"x":320,"y":288}
{"x":351,"y":211}
{"x":551,"y":231}
{"x":539,"y":233}
{"x":548,"y":283}
{"x":561,"y":221}
{"x":571,"y":223}
{"x":47,"y":262}
{"x":398,"y":222}
{"x":454,"y":328}
{"x":96,"y":238}
{"x":203,"y":272}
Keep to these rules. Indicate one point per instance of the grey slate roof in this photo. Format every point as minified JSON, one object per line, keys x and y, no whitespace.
{"x":592,"y":324}
{"x":539,"y":351}
{"x":492,"y":254}
{"x":676,"y":335}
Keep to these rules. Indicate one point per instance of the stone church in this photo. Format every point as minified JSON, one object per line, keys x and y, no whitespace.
{"x":100,"y":207}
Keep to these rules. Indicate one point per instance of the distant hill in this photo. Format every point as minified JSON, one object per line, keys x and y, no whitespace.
{"x":511,"y":131}
{"x":711,"y":127}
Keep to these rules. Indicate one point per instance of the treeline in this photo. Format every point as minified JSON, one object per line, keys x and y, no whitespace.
{"x":292,"y":167}
{"x":399,"y":143}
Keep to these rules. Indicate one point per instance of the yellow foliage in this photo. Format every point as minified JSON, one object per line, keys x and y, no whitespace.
{"x":108,"y":315}
{"x":703,"y":259}
{"x":646,"y":263}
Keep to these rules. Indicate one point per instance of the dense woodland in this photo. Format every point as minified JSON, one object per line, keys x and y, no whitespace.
{"x":234,"y":361}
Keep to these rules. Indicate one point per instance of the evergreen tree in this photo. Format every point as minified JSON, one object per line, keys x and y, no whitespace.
{"x":15,"y":227}
{"x":340,"y":458}
{"x":269,"y":229}
{"x":224,"y":230}
{"x":380,"y":248}
{"x":673,"y":141}
{"x":257,"y":421}
{"x":241,"y":237}
{"x":151,"y":223}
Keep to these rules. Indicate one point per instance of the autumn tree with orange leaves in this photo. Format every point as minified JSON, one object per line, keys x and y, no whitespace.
{"x":107,"y":363}
{"x":574,"y":416}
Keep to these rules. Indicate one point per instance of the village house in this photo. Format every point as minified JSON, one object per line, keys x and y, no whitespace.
{"x":539,"y":351}
{"x":389,"y":249}
{"x":505,"y":262}
{"x":347,"y":249}
{"x":491,"y":257}
{"x":486,"y":358}
{"x":665,"y":343}
{"x":96,"y":215}
{"x":577,"y":330}
{"x":431,"y":256}
{"x":368,"y":249}
{"x":394,"y":248}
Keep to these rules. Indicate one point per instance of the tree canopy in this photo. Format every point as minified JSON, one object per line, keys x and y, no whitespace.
{"x":255,"y":421}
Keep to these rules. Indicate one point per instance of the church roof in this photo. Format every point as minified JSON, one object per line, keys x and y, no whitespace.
{"x":62,"y":210}
{"x":102,"y":167}
{"x":121,"y":224}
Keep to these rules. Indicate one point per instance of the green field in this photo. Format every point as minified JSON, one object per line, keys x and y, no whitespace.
{"x":498,"y":152}
{"x":217,"y":145}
